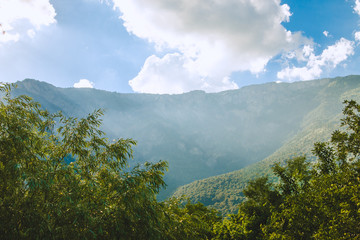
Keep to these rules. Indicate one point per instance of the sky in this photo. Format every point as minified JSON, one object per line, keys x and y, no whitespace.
{"x":172,"y":47}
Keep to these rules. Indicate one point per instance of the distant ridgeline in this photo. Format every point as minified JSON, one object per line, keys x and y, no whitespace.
{"x":224,"y":192}
{"x":206,"y":134}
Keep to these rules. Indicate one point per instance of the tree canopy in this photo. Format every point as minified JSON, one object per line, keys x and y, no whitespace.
{"x":318,"y":200}
{"x":60,"y":178}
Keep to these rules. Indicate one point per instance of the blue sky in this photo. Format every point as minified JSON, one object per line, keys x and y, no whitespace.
{"x":161,"y":46}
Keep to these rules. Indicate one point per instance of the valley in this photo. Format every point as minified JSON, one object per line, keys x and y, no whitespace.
{"x":215,"y":142}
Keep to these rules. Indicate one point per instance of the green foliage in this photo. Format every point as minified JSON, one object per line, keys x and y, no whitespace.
{"x":43,"y":196}
{"x":310,"y":201}
{"x":190,"y":221}
{"x":60,"y":178}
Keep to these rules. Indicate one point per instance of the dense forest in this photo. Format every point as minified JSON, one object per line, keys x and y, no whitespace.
{"x":62,"y":178}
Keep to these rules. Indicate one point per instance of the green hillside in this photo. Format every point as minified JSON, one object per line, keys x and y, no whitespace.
{"x":224,"y":192}
{"x":206,"y":134}
{"x":98,"y":196}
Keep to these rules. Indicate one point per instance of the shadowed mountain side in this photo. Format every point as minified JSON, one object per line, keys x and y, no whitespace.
{"x":199,"y":134}
{"x":224,"y":192}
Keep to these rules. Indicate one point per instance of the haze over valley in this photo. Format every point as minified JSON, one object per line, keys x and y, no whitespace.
{"x":206,"y":134}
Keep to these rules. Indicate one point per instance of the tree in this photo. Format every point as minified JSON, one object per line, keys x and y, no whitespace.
{"x":328,"y":206}
{"x":318,"y":200}
{"x":190,"y":221}
{"x":61,"y":178}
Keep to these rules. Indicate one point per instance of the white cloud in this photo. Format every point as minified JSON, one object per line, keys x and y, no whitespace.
{"x":330,"y":57}
{"x":357,"y":7}
{"x":326,"y":33}
{"x":357,"y":36}
{"x":31,"y":33}
{"x":18,"y":17}
{"x":5,"y":37}
{"x":84,"y":83}
{"x":210,"y":39}
{"x":173,"y":74}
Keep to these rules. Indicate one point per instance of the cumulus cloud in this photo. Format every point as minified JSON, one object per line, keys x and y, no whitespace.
{"x":315,"y":64}
{"x":20,"y":17}
{"x":204,"y":41}
{"x":84,"y":83}
{"x":357,"y":7}
{"x":357,"y":36}
{"x":172,"y":74}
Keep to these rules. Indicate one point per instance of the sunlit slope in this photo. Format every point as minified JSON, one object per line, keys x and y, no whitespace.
{"x":224,"y":192}
{"x":199,"y":134}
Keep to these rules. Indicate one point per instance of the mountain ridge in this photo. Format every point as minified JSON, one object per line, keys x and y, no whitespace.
{"x":200,"y":134}
{"x":224,"y":192}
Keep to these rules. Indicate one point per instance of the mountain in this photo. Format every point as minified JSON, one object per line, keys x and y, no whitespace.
{"x":206,"y":134}
{"x":224,"y":192}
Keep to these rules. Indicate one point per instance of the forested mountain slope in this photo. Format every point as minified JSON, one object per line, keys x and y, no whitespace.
{"x":202,"y":134}
{"x":224,"y":192}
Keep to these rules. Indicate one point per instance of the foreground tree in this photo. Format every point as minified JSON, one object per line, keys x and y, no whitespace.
{"x":60,"y":178}
{"x":312,"y":200}
{"x":69,"y":181}
{"x":328,"y":207}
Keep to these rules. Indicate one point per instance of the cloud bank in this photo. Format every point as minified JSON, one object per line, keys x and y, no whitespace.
{"x":84,"y":83}
{"x":202,"y":42}
{"x":23,"y":17}
{"x":315,"y":64}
